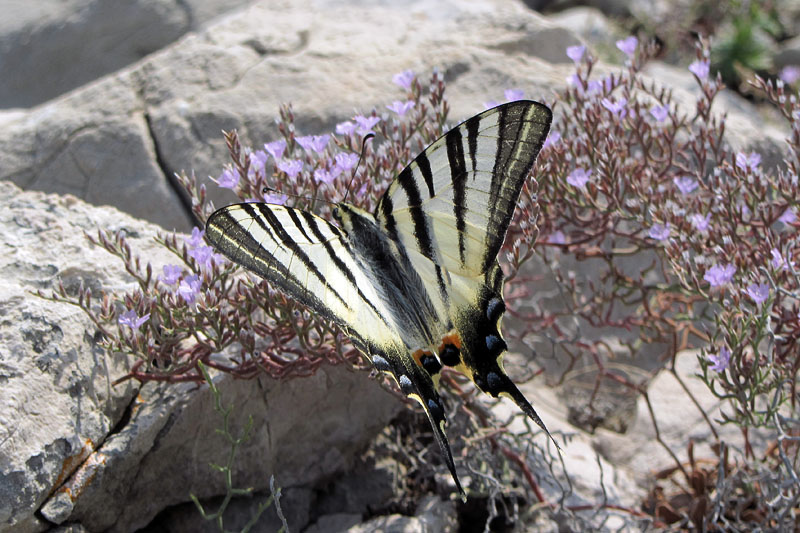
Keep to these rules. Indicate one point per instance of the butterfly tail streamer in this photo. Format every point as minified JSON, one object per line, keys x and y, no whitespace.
{"x":437,"y":420}
{"x":512,"y":392}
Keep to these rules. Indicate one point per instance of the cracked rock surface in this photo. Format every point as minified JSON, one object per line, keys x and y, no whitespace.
{"x":74,"y":448}
{"x":120,"y":139}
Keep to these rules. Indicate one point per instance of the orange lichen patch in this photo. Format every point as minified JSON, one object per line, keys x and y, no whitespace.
{"x":417,"y":355}
{"x":73,"y":461}
{"x":451,"y":338}
{"x":83,"y":476}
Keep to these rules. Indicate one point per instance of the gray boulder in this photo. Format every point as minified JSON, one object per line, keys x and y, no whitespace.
{"x":48,"y":47}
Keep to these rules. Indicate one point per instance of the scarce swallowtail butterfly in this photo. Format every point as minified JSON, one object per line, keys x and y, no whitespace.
{"x":414,"y":284}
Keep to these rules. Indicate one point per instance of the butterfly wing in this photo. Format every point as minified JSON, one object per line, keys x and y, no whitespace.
{"x":451,"y":207}
{"x":305,"y":256}
{"x":454,"y":202}
{"x":335,"y":273}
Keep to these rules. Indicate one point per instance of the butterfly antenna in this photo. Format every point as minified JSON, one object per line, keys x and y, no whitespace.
{"x":367,"y":137}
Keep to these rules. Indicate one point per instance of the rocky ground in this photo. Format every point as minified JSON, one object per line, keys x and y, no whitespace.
{"x":104,"y":102}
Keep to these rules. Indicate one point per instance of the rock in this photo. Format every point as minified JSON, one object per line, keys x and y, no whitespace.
{"x":395,"y":523}
{"x":52,"y":46}
{"x":788,"y":53}
{"x":185,"y":518}
{"x":588,"y":23}
{"x":77,"y":449}
{"x":585,"y":467}
{"x":436,"y":515}
{"x":679,"y":421}
{"x":58,"y":402}
{"x":119,"y":140}
{"x":332,"y":523}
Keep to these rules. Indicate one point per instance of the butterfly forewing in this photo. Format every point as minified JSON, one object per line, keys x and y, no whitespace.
{"x":454,"y":202}
{"x":305,"y":256}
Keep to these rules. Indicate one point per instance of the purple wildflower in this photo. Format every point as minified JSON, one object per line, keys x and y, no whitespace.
{"x":188,"y":288}
{"x":790,"y":74}
{"x":323,"y":175}
{"x":758,"y":292}
{"x":401,"y":108}
{"x":579,"y":177}
{"x":685,"y":184}
{"x":659,"y":232}
{"x":346,"y":128}
{"x":721,"y":361}
{"x":275,"y":198}
{"x":132,"y":320}
{"x":700,"y":222}
{"x":594,"y":86}
{"x":365,"y":124}
{"x":490,"y":104}
{"x":258,"y":159}
{"x":512,"y":95}
{"x":196,"y":239}
{"x":574,"y":80}
{"x":575,"y":53}
{"x":275,"y":149}
{"x":788,"y":216}
{"x":745,"y":211}
{"x":404,"y":79}
{"x":229,"y":179}
{"x":700,"y":69}
{"x":719,"y":275}
{"x":172,"y":274}
{"x":628,"y":45}
{"x":752,"y":160}
{"x":616,"y":108}
{"x":346,"y":160}
{"x":557,"y":237}
{"x":291,"y":167}
{"x":777,"y":259}
{"x":317,"y":143}
{"x":660,"y":112}
{"x":552,"y":139}
{"x":204,"y":255}
{"x":778,"y":262}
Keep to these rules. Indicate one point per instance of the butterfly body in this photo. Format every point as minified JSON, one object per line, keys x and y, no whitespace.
{"x":415,"y":284}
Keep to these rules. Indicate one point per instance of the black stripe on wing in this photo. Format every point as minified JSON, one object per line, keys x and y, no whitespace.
{"x":422,"y":232}
{"x":230,"y":238}
{"x":268,"y":216}
{"x":458,"y":175}
{"x":311,"y":221}
{"x":522,"y":131}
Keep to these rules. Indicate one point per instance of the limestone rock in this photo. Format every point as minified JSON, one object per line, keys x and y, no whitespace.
{"x":119,"y":140}
{"x":49,"y":47}
{"x":78,"y":449}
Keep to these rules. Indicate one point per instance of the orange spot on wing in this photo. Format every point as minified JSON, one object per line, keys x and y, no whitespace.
{"x":417,"y":355}
{"x":451,"y":338}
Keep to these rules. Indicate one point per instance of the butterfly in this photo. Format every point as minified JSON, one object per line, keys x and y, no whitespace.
{"x":415,"y":284}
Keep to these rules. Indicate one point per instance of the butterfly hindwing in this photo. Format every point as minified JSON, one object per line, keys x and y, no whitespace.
{"x":416,"y":284}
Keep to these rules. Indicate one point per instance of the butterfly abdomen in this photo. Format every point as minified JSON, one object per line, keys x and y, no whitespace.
{"x":399,"y":285}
